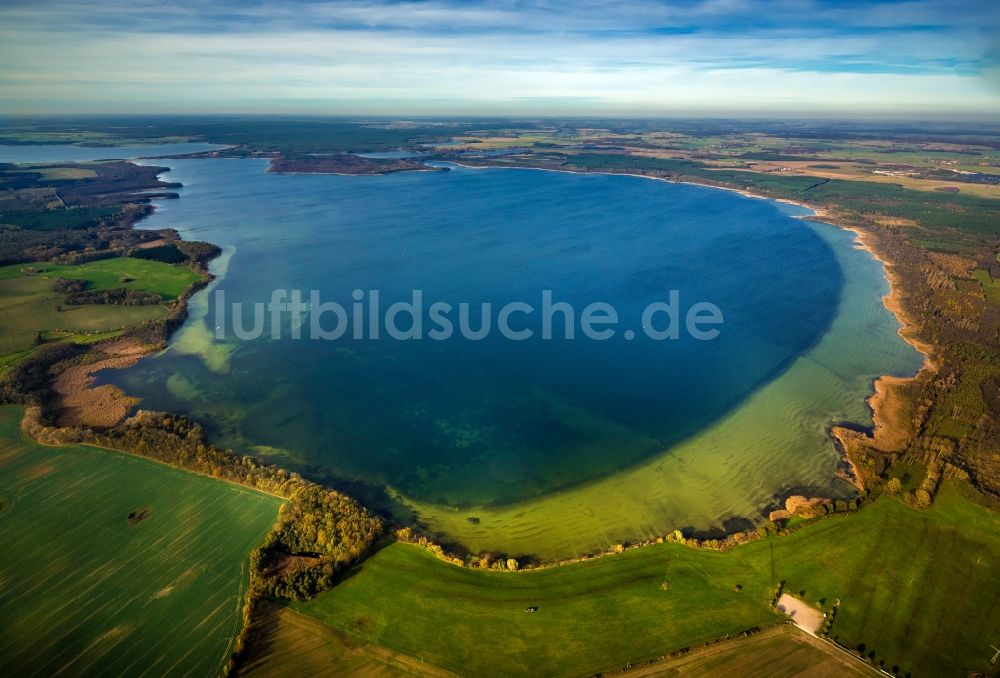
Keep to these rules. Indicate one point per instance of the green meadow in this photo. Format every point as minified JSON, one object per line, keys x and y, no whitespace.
{"x":145,"y":275}
{"x":30,"y":305}
{"x":918,"y":593}
{"x":991,"y":287}
{"x":115,"y":565}
{"x":283,"y":643}
{"x":60,"y":173}
{"x":779,"y":650}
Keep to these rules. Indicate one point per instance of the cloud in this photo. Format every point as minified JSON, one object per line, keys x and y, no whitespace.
{"x":713,"y":55}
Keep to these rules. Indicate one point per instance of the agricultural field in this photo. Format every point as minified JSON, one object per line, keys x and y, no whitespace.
{"x":590,"y":617}
{"x":33,"y":310}
{"x":284,"y":642}
{"x":29,"y":305}
{"x":116,"y":565}
{"x":901,"y":605}
{"x":777,"y":651}
{"x":61,"y":173}
{"x":913,"y":593}
{"x":968,"y":167}
{"x":29,"y":135}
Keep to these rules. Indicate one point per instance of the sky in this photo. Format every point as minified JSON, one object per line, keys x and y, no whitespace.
{"x":849,"y":58}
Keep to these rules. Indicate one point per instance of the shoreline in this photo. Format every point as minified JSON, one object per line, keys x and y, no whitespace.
{"x":331,"y":174}
{"x":80,"y":403}
{"x":883,"y":385}
{"x":886,"y":386}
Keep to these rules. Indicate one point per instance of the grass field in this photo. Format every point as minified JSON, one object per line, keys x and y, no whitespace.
{"x":29,"y":305}
{"x":84,"y":590}
{"x":61,"y":173}
{"x":146,"y":275}
{"x":591,"y":617}
{"x":285,"y":643}
{"x":991,"y":287}
{"x":777,"y":651}
{"x":900,"y":599}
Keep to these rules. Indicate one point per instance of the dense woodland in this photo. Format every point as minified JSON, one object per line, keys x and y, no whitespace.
{"x":289,"y":135}
{"x":345,"y":163}
{"x":44,"y":217}
{"x":117,"y":295}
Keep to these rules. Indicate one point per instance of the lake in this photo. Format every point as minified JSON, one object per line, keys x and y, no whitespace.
{"x":471,"y":436}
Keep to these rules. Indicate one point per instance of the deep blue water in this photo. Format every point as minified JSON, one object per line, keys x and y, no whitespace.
{"x":490,"y":421}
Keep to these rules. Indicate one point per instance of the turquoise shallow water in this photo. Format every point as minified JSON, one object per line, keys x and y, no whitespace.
{"x":775,"y":443}
{"x":487,"y":422}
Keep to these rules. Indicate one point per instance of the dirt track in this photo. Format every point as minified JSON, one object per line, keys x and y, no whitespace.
{"x":805,"y":616}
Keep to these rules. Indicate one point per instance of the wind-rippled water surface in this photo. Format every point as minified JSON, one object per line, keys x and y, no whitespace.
{"x":492,"y":425}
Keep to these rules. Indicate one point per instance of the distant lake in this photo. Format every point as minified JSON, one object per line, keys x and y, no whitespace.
{"x":69,"y":153}
{"x":496,"y":423}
